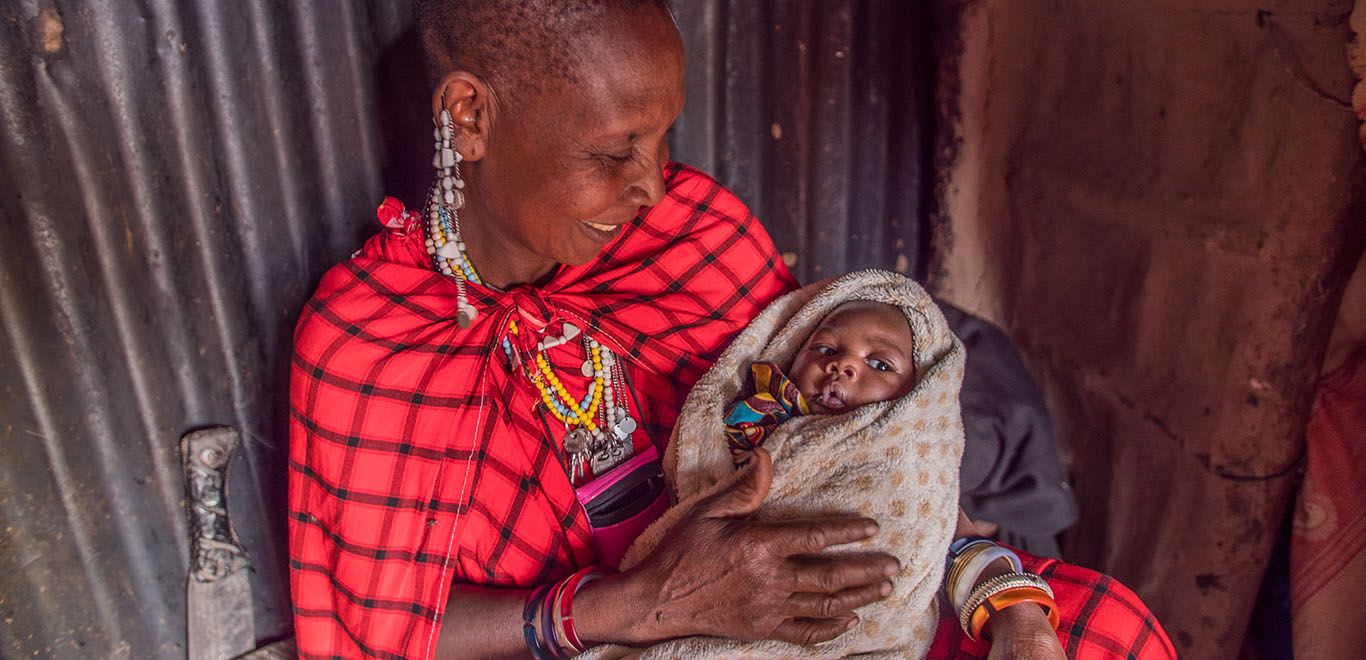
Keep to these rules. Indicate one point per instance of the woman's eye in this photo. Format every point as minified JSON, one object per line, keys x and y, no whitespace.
{"x":616,"y":159}
{"x":879,"y":365}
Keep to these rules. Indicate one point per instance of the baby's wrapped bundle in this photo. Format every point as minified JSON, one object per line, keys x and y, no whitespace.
{"x":895,"y":461}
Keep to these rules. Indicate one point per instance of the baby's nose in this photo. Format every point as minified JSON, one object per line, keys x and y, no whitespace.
{"x":843,"y":366}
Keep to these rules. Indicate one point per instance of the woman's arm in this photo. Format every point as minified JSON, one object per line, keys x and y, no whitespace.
{"x":718,"y":573}
{"x":482,"y":622}
{"x":1017,"y":633}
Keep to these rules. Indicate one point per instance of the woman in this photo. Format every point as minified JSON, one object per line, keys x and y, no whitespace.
{"x":521,"y":334}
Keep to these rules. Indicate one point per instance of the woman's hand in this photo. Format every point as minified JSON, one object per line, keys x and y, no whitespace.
{"x":719,"y":573}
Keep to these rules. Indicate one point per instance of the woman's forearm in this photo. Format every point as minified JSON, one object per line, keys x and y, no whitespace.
{"x":614,"y":609}
{"x":1016,"y":632}
{"x":484,"y":622}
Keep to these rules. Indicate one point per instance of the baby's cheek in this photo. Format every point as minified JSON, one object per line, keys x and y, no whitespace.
{"x":905,"y":384}
{"x":800,"y":374}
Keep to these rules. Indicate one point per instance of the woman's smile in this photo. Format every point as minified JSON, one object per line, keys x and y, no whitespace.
{"x":601,"y":232}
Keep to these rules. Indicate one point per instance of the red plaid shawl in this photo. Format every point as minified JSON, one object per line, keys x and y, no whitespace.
{"x":416,"y":458}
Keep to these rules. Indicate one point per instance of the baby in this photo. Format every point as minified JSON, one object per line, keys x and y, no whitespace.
{"x":852,"y":388}
{"x":860,"y":353}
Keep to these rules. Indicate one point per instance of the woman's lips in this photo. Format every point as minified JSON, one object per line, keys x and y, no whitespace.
{"x":600,"y":231}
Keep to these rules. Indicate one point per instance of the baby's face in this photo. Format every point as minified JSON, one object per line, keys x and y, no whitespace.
{"x":860,"y":353}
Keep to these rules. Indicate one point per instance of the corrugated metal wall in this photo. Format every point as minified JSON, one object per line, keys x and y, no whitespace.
{"x":177,"y":175}
{"x":814,"y":114}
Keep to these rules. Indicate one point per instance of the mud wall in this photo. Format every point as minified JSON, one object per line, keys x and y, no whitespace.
{"x":1160,"y":201}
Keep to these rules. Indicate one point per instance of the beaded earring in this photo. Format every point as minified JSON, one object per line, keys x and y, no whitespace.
{"x":444,"y":202}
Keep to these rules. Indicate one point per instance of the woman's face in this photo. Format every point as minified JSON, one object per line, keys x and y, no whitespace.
{"x":565,"y":167}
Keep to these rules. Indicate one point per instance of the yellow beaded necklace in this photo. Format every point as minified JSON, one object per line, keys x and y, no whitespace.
{"x":563,"y":405}
{"x":554,"y":394}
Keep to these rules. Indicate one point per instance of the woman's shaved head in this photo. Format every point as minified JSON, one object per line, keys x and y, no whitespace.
{"x":514,"y":44}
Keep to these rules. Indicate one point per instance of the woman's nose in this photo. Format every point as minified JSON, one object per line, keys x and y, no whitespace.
{"x":653,"y":185}
{"x":648,"y":189}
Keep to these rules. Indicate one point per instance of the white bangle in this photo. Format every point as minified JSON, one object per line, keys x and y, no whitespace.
{"x":967,"y":578}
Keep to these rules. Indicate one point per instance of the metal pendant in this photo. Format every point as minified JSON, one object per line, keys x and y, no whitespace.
{"x":625,"y":427}
{"x":609,"y":457}
{"x":464,"y":318}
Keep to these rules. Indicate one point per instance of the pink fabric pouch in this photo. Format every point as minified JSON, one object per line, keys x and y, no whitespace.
{"x":623,"y":502}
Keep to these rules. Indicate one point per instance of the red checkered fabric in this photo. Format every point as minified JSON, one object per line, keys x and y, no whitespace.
{"x":418,"y":458}
{"x":1100,"y":619}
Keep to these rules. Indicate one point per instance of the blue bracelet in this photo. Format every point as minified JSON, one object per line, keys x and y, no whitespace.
{"x":956,"y":549}
{"x":959,"y":545}
{"x":529,"y":612}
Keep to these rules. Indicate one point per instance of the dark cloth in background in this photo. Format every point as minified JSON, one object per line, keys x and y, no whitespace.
{"x":1012,"y":472}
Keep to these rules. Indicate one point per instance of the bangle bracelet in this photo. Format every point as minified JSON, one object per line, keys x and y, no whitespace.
{"x":955,"y":585}
{"x":960,"y":552}
{"x":529,"y":612}
{"x":959,"y":545}
{"x":968,"y":558}
{"x":549,"y":637}
{"x":1010,"y":598}
{"x":538,"y":624}
{"x":994,"y":586}
{"x":974,"y":566}
{"x":548,"y":617}
{"x":564,"y":610}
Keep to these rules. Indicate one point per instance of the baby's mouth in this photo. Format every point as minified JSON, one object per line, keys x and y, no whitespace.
{"x":830,"y":396}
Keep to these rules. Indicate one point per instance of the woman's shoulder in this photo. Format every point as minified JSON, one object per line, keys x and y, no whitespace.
{"x":386,"y":287}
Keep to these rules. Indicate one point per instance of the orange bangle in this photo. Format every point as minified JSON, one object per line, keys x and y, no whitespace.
{"x":1010,"y":598}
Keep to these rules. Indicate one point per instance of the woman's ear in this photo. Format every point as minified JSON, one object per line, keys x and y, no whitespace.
{"x":467,"y":97}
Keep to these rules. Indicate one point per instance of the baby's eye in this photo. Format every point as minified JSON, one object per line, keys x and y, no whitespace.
{"x":879,"y":365}
{"x":823,"y":350}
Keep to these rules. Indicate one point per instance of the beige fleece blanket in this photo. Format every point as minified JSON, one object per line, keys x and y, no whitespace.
{"x":895,"y":461}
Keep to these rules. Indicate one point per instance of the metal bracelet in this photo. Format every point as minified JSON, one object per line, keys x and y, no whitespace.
{"x":994,"y":586}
